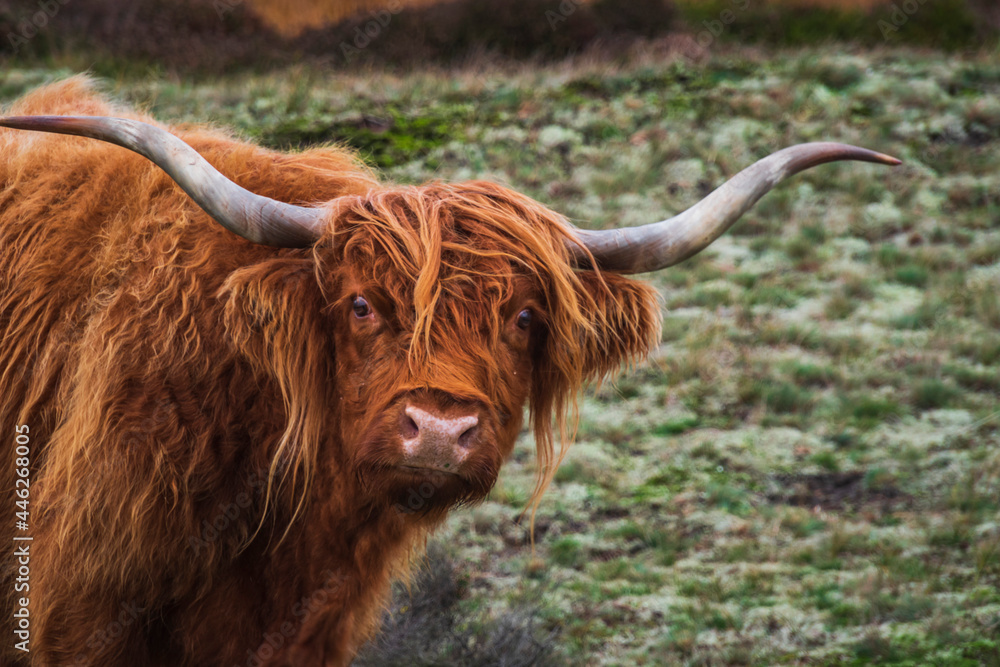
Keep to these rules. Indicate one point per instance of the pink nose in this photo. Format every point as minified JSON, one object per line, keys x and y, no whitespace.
{"x":433,"y":441}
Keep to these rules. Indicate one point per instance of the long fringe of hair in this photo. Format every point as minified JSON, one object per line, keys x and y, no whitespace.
{"x":445,"y":238}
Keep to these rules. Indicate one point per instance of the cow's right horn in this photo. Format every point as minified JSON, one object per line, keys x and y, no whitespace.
{"x":255,"y":218}
{"x":665,"y":243}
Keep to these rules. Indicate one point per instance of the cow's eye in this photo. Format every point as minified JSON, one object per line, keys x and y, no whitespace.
{"x":524,"y":319}
{"x":360,"y":307}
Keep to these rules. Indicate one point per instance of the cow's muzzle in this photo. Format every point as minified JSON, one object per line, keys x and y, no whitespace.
{"x":435,"y":439}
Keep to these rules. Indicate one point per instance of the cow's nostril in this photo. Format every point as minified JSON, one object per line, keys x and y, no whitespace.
{"x":466,"y":438}
{"x":409,"y":427}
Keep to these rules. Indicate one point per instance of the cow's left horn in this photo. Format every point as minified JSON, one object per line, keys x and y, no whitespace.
{"x":258,"y":219}
{"x":662,"y":244}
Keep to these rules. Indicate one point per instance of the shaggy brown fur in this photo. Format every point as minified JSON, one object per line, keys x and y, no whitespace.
{"x":213,"y":432}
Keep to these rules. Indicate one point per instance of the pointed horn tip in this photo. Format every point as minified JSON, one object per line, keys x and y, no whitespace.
{"x":10,"y":121}
{"x":849,"y":152}
{"x":808,"y":155}
{"x":13,"y":122}
{"x":39,"y":122}
{"x":882,"y":158}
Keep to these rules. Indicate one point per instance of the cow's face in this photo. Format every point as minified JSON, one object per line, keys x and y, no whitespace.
{"x":438,"y":410}
{"x":452,"y":309}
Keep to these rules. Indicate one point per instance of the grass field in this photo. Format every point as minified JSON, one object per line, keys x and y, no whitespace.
{"x":807,"y":471}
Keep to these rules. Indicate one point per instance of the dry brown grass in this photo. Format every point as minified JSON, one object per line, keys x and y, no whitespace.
{"x":291,"y":17}
{"x":841,"y":4}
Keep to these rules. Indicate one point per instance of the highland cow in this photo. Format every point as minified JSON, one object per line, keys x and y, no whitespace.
{"x":237,"y":413}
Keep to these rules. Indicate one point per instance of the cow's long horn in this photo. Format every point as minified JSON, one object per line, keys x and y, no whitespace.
{"x":662,"y":244}
{"x":256,"y":218}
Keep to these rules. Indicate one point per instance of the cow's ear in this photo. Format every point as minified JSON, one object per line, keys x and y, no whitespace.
{"x":274,"y":311}
{"x":625,"y":317}
{"x":275,"y":317}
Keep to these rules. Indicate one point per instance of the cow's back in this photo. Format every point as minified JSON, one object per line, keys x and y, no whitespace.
{"x":81,"y":220}
{"x":104,"y":258}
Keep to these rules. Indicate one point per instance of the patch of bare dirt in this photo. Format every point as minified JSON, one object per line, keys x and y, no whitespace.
{"x":837,"y":491}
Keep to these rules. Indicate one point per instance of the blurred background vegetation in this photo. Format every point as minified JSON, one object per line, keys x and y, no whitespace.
{"x":214,"y":36}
